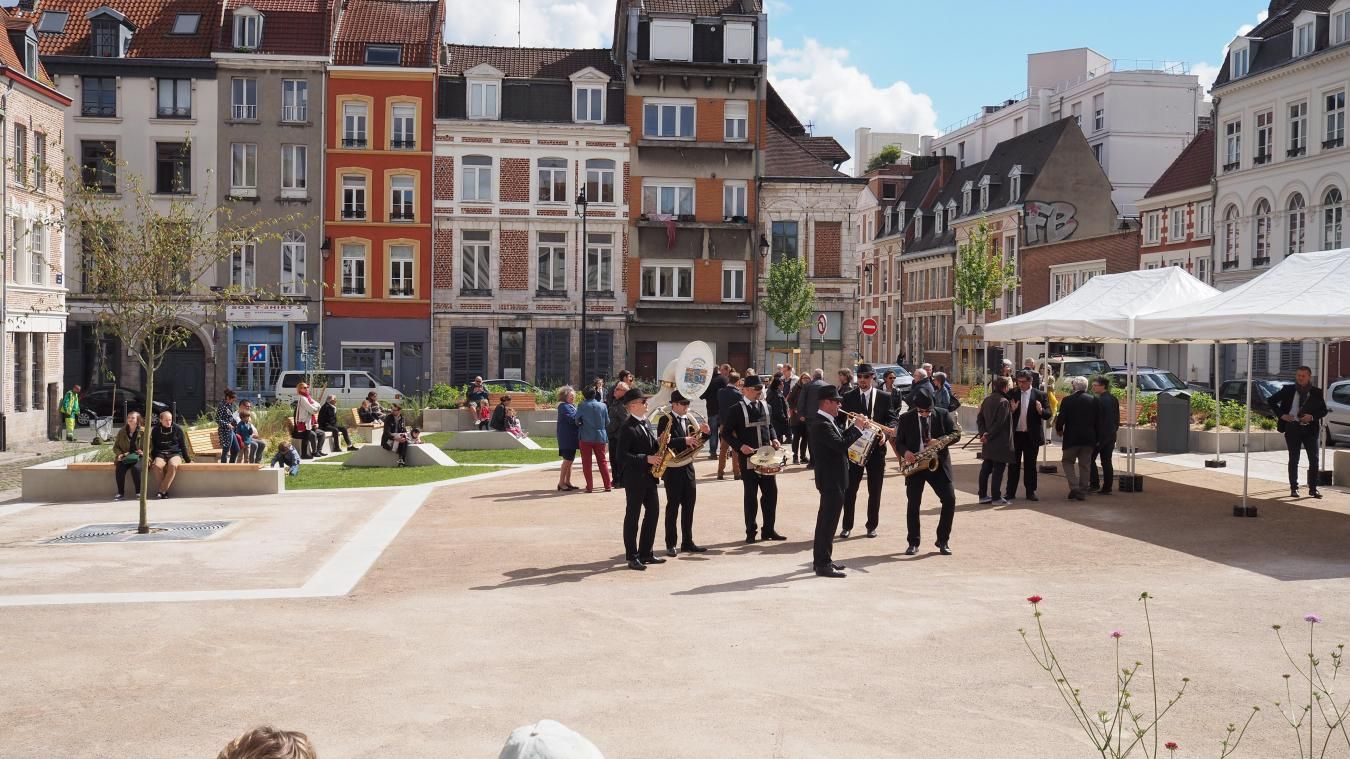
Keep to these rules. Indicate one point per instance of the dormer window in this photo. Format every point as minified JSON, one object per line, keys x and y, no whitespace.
{"x":589,"y":87}
{"x":918,"y":224}
{"x":951,"y":213}
{"x":484,"y":92}
{"x":30,"y":54}
{"x":109,"y":33}
{"x":937,"y":220}
{"x":985,"y":186}
{"x":738,"y":42}
{"x":384,"y":55}
{"x":1240,"y":62}
{"x":1015,"y":184}
{"x":966,"y":190}
{"x":672,"y":39}
{"x":248,"y":25}
{"x":1305,"y":38}
{"x":1340,"y":23}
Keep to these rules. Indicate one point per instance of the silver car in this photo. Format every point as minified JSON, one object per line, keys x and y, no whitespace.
{"x":1338,"y":413}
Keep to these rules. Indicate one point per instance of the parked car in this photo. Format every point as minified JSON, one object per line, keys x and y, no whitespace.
{"x":512,"y":385}
{"x":100,"y":400}
{"x":1152,"y":380}
{"x":1338,"y":412}
{"x":1074,"y":366}
{"x":903,"y":379}
{"x":1262,"y":390}
{"x":350,"y":387}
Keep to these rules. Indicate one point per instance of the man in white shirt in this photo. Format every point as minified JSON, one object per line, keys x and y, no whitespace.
{"x":1030,"y":409}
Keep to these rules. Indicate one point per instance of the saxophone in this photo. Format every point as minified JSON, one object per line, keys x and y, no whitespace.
{"x":927,"y":459}
{"x":670,"y":458}
{"x":662,"y":450}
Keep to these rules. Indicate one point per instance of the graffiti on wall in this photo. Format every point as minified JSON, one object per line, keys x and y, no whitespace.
{"x":1050,"y":222}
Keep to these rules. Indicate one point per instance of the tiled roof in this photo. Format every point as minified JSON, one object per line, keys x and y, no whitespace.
{"x":528,"y":62}
{"x":153,"y":19}
{"x":826,"y":149}
{"x":290,"y":27}
{"x":785,"y":156}
{"x":414,"y":24}
{"x":701,"y":7}
{"x":1273,"y":39}
{"x":1193,"y":168}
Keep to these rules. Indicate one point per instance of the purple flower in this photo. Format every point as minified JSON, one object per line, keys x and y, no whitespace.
{"x":1117,"y":634}
{"x":1313,"y":618}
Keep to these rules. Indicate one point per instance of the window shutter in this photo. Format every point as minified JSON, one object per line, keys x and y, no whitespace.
{"x":468,"y":354}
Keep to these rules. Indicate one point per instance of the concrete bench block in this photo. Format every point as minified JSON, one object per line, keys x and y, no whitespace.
{"x":56,"y":483}
{"x":1340,"y":462}
{"x":489,"y":440}
{"x":373,"y":456}
{"x":543,"y":427}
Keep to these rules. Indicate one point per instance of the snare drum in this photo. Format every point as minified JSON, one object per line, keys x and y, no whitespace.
{"x":766,"y":461}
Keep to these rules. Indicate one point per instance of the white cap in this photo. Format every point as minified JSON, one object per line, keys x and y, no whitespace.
{"x":547,"y":739}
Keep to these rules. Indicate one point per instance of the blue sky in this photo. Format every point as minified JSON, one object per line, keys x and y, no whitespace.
{"x":902,"y":65}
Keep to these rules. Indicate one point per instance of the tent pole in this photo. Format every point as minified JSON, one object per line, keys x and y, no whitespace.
{"x":1050,"y":433}
{"x":1217,"y":462}
{"x":1246,"y":510}
{"x":1321,"y":423}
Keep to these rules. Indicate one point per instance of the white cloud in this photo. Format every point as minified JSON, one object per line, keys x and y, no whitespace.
{"x":822,"y":87}
{"x":543,"y":23}
{"x":1208,"y":71}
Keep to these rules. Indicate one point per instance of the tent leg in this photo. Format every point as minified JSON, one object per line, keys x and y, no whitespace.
{"x":1046,"y":467}
{"x":1131,"y":482}
{"x":1246,"y":510}
{"x":1217,"y":462}
{"x":1324,"y":475}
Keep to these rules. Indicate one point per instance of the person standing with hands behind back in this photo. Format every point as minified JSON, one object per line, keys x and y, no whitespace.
{"x":1030,"y":410}
{"x":1300,"y":407}
{"x":634,"y":457}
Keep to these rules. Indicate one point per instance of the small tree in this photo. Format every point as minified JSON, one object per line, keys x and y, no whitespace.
{"x":888,"y":155}
{"x":150,"y":263}
{"x":790,"y":297}
{"x":981,"y":275}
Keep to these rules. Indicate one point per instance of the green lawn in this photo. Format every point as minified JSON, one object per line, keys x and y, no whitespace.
{"x":548,"y":451}
{"x":314,"y":477}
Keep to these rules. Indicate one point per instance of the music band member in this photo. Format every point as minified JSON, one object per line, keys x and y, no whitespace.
{"x":634,"y":457}
{"x":874,"y":403}
{"x":916,"y":430}
{"x":1300,"y":408}
{"x":746,"y":427}
{"x":829,"y":449}
{"x":1030,"y":409}
{"x":681,"y":487}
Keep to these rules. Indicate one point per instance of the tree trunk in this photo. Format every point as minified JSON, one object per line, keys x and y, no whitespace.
{"x":143,"y":527}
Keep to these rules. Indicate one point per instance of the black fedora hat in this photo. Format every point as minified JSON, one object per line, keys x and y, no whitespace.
{"x":753,"y":380}
{"x":828,"y":393}
{"x":677,"y":397}
{"x":865,"y":370}
{"x":634,"y":394}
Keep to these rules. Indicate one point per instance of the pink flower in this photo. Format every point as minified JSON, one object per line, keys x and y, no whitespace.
{"x":1033,"y":600}
{"x":1117,"y":634}
{"x":1170,"y":745}
{"x":1313,"y":618}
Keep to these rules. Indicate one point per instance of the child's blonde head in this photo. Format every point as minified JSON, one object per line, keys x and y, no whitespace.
{"x":269,"y":743}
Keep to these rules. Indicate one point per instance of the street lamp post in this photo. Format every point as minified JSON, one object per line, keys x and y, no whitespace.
{"x":585,"y":282}
{"x":763,"y":258}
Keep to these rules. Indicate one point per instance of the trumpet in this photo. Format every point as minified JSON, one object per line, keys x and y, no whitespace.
{"x":871,"y":423}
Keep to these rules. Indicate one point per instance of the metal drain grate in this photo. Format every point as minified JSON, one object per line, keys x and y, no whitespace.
{"x":125,"y":532}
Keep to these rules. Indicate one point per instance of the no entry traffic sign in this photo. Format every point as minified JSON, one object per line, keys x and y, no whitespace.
{"x":869,"y":326}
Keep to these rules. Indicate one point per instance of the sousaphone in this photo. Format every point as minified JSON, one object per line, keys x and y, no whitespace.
{"x":691,"y":374}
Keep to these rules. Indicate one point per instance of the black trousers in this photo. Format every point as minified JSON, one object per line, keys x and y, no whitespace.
{"x":827,"y":521}
{"x":400,"y":449}
{"x":800,"y":452}
{"x":681,"y":493}
{"x":309,"y":442}
{"x":128,"y":466}
{"x":1023,"y":463}
{"x":335,"y":430}
{"x":1102,"y":453}
{"x":804,"y":440}
{"x":642,"y":499}
{"x":1302,"y":441}
{"x":753,"y":484}
{"x":942,"y":486}
{"x":875,"y":469}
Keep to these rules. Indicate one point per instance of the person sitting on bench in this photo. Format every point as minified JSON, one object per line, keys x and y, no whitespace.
{"x":127,"y":453}
{"x":395,"y":437}
{"x":370,"y":412}
{"x":168,"y":450}
{"x":328,"y":422}
{"x":499,"y":422}
{"x":251,"y":446}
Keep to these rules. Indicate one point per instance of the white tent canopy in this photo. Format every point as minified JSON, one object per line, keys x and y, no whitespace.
{"x":1104,"y":308}
{"x":1304,"y":297}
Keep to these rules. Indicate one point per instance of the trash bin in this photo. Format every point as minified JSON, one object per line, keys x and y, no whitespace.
{"x":103,"y":428}
{"x":1174,"y":421}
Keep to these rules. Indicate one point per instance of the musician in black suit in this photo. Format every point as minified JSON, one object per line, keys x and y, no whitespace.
{"x":681,"y":487}
{"x":746,"y":427}
{"x":1299,"y":408}
{"x":806,"y":403}
{"x":1030,"y":410}
{"x":829,"y":449}
{"x":634,"y":456}
{"x":875,"y":404}
{"x":916,"y":429}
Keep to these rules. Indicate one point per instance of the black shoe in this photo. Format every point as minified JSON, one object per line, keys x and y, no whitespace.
{"x":1008,"y":498}
{"x":829,"y":571}
{"x":691,"y":548}
{"x":402,"y":463}
{"x":635,"y":564}
{"x":871,"y":533}
{"x":1314,"y":492}
{"x":118,"y":497}
{"x":651,"y":559}
{"x":161,"y":496}
{"x":772,"y":536}
{"x":837,"y":567}
{"x":1104,"y":491}
{"x":750,"y":538}
{"x":736,"y":477}
{"x":1030,"y":497}
{"x":719,"y":476}
{"x":671,"y":551}
{"x":794,"y":459}
{"x":351,"y":447}
{"x":810,"y":465}
{"x":911,"y":550}
{"x":845,"y":533}
{"x":944,"y":549}
{"x":1293,"y":492}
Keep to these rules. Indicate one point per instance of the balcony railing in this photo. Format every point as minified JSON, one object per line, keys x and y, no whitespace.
{"x":1261,"y":158}
{"x":1332,"y":144}
{"x":1295,"y":152}
{"x":353,"y":142}
{"x":294,"y":113}
{"x":354,"y":212}
{"x":1229,"y":265}
{"x":402,"y":214}
{"x":1234,"y":166}
{"x":244,"y":112}
{"x":1261,"y":261}
{"x":168,"y":112}
{"x":403,"y":145}
{"x":99,"y":111}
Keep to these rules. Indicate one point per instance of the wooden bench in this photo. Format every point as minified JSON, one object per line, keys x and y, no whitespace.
{"x":204,"y":443}
{"x":519,"y":401}
{"x":94,"y":481}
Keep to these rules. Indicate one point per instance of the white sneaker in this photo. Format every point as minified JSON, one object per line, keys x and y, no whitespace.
{"x":986,"y":500}
{"x":1003,"y":502}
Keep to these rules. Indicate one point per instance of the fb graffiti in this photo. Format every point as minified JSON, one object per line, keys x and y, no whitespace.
{"x":1050,"y":222}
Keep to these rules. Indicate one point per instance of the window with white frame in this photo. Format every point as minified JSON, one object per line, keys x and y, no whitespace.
{"x":1232,"y":145}
{"x":247,"y":29}
{"x":599,"y":262}
{"x":475,"y":262}
{"x":294,"y":171}
{"x":600,"y":180}
{"x":1069,"y":277}
{"x":405,"y":127}
{"x":1332,"y":216}
{"x":668,"y":281}
{"x":1296,"y":214}
{"x":1098,"y":112}
{"x":244,"y":169}
{"x":939,"y":216}
{"x":1298,"y":128}
{"x":1265,"y":136}
{"x":1261,"y":233}
{"x":1099,"y":152}
{"x":1202,"y":269}
{"x":1152,"y":227}
{"x":1176,"y":225}
{"x":402,"y":200}
{"x":552,"y":261}
{"x":668,"y":197}
{"x":1231,"y":237}
{"x":1305,"y":39}
{"x":1204,"y":220}
{"x":1239,"y":63}
{"x":966,"y":190}
{"x":672,"y":39}
{"x":1335,"y":119}
{"x":738,"y":42}
{"x":20,"y":158}
{"x":243,"y":98}
{"x":484,"y":99}
{"x":401,"y":279}
{"x":293,"y":263}
{"x":353,"y":269}
{"x":733,"y":200}
{"x":986,"y":189}
{"x":1340,"y":28}
{"x":951,"y":213}
{"x":175,"y":98}
{"x":733,"y":281}
{"x":668,"y":119}
{"x":552,"y":175}
{"x":736,"y":120}
{"x":295,"y":100}
{"x":1015,"y":184}
{"x":590,"y":103}
{"x":1076,"y":110}
{"x":476,"y":178}
{"x":244,"y":265}
{"x":37,"y":254}
{"x":355,"y":119}
{"x":354,"y":197}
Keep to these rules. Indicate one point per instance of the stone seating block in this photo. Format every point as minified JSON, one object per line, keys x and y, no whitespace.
{"x":373,"y":456}
{"x":54,"y":482}
{"x":489,"y":440}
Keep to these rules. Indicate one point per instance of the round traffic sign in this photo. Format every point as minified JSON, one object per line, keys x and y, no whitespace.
{"x":869,"y":326}
{"x":822,"y":324}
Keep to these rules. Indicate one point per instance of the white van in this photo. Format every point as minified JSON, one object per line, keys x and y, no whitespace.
{"x":350,"y":387}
